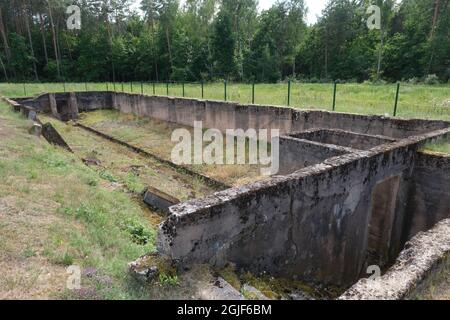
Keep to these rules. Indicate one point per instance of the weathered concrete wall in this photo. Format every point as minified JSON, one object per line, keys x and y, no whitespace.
{"x":297,"y":153}
{"x":228,"y":115}
{"x":429,"y":200}
{"x":343,"y":138}
{"x":312,"y":224}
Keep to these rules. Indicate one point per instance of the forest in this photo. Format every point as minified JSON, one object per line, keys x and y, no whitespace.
{"x":210,"y":40}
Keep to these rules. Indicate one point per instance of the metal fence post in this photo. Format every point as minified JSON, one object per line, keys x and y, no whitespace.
{"x":122,"y":88}
{"x":203,"y":95}
{"x":289,"y":93}
{"x":114,"y":84}
{"x":167,"y":88}
{"x":183,"y":87}
{"x":334,"y":95}
{"x":107,"y":86}
{"x":253,"y":93}
{"x":64,"y":86}
{"x":154,"y":90}
{"x":24,"y":89}
{"x":85,"y":86}
{"x":396,"y":99}
{"x":131,"y":86}
{"x":225,"y":89}
{"x":142,"y":88}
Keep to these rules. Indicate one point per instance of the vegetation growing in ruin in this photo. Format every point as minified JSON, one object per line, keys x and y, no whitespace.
{"x":120,"y":166}
{"x":155,"y":137}
{"x":439,"y":286}
{"x":274,"y":288}
{"x":441,"y":147}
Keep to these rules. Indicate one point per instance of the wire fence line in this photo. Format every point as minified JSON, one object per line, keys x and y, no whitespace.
{"x":403,"y":100}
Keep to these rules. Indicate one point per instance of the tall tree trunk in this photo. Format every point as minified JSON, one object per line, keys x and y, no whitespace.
{"x":30,"y":40}
{"x":293,"y":68}
{"x":55,"y":46}
{"x":154,"y":56}
{"x":17,"y":20}
{"x":432,"y":31}
{"x":4,"y":69}
{"x":110,"y":42}
{"x":435,"y":18}
{"x":44,"y":42}
{"x":380,"y":53}
{"x":326,"y":56}
{"x":58,"y":45}
{"x":170,"y":51}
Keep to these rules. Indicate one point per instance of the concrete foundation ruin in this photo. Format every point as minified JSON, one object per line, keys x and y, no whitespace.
{"x":352,"y":189}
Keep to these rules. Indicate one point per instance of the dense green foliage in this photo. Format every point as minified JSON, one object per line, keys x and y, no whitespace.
{"x":224,"y":39}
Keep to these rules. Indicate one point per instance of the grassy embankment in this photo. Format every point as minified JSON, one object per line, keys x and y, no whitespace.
{"x":56,"y":212}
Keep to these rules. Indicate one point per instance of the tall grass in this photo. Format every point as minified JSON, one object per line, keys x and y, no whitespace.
{"x":415,"y":101}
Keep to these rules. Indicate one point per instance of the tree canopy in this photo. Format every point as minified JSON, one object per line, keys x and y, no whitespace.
{"x":223,"y":39}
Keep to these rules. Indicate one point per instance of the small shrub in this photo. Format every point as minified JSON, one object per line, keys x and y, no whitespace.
{"x":168,"y":280}
{"x":106,"y":175}
{"x":413,"y":80}
{"x":139,"y":234}
{"x":431,"y":79}
{"x":92,"y":182}
{"x":32,"y":175}
{"x":29,"y":252}
{"x":325,"y":80}
{"x":66,"y":259}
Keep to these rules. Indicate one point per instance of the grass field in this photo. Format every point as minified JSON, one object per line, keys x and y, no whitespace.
{"x":415,"y":101}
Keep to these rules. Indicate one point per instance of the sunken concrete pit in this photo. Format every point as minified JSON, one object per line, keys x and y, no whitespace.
{"x":351,"y":192}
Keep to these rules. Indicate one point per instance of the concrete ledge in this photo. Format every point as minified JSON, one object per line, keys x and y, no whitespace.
{"x":422,"y":256}
{"x":343,"y":138}
{"x":53,"y":137}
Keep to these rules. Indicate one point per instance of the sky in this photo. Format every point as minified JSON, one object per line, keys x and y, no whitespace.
{"x":315,"y":7}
